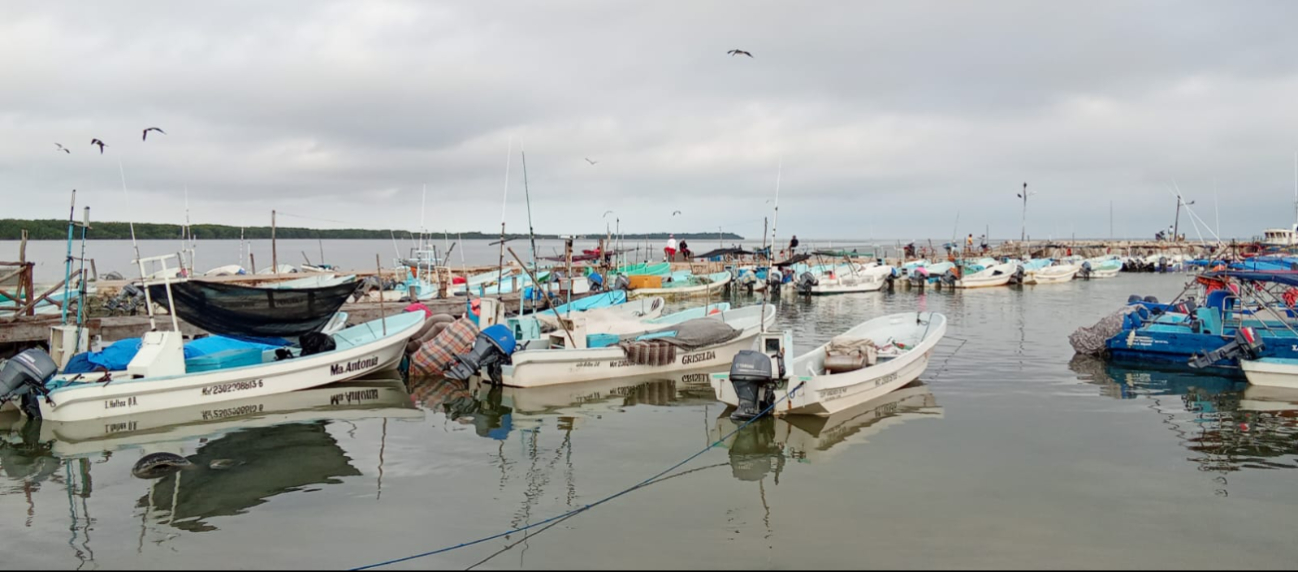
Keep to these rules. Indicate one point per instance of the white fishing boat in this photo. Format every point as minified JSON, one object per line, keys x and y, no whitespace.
{"x":995,"y":275}
{"x":319,"y":281}
{"x":870,"y":279}
{"x":819,"y":439}
{"x":1271,"y":372}
{"x":1056,"y":274}
{"x":689,"y":286}
{"x":372,"y":396}
{"x":158,"y":377}
{"x":564,"y":356}
{"x":227,"y":270}
{"x":157,"y":380}
{"x":864,"y":363}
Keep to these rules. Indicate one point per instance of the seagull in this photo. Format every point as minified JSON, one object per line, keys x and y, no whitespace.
{"x":737,"y":52}
{"x":146,"y":133}
{"x":61,"y":148}
{"x":101,"y":145}
{"x":606,"y":213}
{"x":589,"y":161}
{"x":674,"y":213}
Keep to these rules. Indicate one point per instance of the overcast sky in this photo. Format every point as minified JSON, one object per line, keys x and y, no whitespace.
{"x":889,"y":118}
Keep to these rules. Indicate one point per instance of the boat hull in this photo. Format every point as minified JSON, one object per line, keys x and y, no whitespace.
{"x":1271,"y":373}
{"x":128,"y":397}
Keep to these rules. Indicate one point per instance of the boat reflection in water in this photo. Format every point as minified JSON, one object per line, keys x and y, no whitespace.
{"x":1228,"y":424}
{"x":765,"y":445}
{"x":240,"y":455}
{"x":494,"y":411}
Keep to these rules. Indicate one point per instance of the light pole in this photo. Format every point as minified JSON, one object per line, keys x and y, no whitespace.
{"x":1023,"y":235}
{"x":1176,"y":224}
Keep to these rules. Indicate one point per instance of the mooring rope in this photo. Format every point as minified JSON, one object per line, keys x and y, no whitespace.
{"x":576,"y":511}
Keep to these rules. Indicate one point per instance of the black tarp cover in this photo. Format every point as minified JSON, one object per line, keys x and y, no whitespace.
{"x":245,"y":311}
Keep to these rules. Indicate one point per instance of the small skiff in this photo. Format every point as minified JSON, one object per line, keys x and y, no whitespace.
{"x":907,"y":342}
{"x":551,"y":366}
{"x":700,"y":286}
{"x":1271,"y":372}
{"x":1057,"y":274}
{"x":997,"y":275}
{"x":156,"y":379}
{"x":870,"y":279}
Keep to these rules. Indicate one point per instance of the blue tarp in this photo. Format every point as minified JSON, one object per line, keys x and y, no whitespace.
{"x":119,"y":354}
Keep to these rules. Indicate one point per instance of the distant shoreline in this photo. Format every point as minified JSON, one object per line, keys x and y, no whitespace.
{"x":52,"y":229}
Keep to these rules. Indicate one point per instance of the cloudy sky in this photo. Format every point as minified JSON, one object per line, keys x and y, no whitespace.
{"x":890,"y":118}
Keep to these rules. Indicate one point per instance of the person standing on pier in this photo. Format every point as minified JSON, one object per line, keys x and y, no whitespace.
{"x":793,"y":245}
{"x":670,"y":249}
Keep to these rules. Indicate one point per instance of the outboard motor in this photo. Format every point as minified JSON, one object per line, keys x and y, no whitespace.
{"x":753,"y":377}
{"x":1246,"y":345}
{"x":491,"y":350}
{"x":1135,"y":299}
{"x":1019,"y":274}
{"x":805,"y":281}
{"x":622,"y":283}
{"x":24,"y":376}
{"x":1151,"y":299}
{"x":949,"y":277}
{"x":1085,"y":272}
{"x":596,"y":282}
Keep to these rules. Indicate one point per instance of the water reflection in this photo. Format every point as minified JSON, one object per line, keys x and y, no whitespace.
{"x":766,"y":445}
{"x":496,"y":411}
{"x":1228,"y":425}
{"x":264,"y":462}
{"x":242,"y":454}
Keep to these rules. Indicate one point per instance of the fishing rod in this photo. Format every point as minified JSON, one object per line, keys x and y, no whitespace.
{"x":67,"y":263}
{"x":81,"y":294}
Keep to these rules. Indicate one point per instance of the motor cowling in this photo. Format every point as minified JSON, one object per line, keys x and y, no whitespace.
{"x":491,"y":350}
{"x":25,"y":375}
{"x":622,"y":283}
{"x":753,"y":377}
{"x":949,"y":278}
{"x":805,"y":281}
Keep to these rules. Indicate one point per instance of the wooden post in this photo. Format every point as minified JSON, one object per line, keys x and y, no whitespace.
{"x":274,"y":255}
{"x":252,"y":261}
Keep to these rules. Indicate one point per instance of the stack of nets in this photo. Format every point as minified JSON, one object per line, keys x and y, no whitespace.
{"x":1090,"y":340}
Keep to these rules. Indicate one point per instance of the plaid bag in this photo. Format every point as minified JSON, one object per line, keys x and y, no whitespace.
{"x":649,"y":352}
{"x":436,"y":354}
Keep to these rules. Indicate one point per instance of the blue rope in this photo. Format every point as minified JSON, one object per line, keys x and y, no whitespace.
{"x":574,"y":512}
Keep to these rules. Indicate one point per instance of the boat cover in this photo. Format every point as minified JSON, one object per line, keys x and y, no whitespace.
{"x":1286,"y":277}
{"x":119,"y":354}
{"x":245,"y":311}
{"x":693,"y":334}
{"x":436,"y":354}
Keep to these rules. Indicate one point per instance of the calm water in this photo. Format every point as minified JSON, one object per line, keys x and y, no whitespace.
{"x":1011,"y":455}
{"x":116,"y":255}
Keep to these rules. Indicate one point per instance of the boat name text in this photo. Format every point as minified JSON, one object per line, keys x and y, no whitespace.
{"x":354,"y":365}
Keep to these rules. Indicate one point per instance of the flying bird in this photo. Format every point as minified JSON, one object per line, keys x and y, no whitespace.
{"x":674,"y":213}
{"x":101,"y":145}
{"x":146,"y":133}
{"x":737,"y":52}
{"x":606,"y":213}
{"x":62,"y":148}
{"x":589,"y":161}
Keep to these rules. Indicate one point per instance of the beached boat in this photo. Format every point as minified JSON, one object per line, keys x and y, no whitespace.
{"x":157,"y":379}
{"x":319,"y":281}
{"x":564,"y":356}
{"x":840,"y":374}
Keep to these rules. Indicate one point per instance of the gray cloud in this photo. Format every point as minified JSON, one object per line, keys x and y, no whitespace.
{"x":889,"y":118}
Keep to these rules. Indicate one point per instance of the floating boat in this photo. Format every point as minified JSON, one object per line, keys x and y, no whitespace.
{"x":687,"y":286}
{"x":1271,"y":372}
{"x":1056,"y":274}
{"x":864,"y":363}
{"x":818,"y":439}
{"x":565,"y":357}
{"x":870,"y":279}
{"x":376,"y":395}
{"x":995,"y":275}
{"x":1103,"y":267}
{"x":156,"y":379}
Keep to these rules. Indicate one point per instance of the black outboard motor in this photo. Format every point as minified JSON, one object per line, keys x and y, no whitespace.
{"x":1151,"y":299}
{"x":1018,"y":276}
{"x":491,"y":350}
{"x":1086,"y":270}
{"x":754,"y":380}
{"x":1246,"y":345}
{"x":805,"y":281}
{"x":24,"y":376}
{"x":1135,"y":299}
